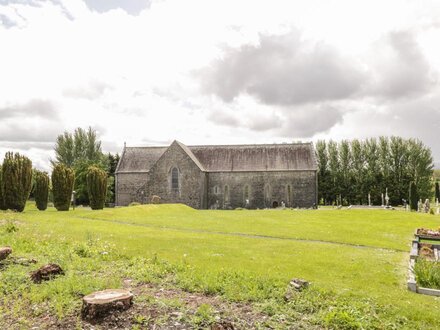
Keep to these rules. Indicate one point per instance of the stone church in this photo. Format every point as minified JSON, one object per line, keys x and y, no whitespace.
{"x":219,"y":176}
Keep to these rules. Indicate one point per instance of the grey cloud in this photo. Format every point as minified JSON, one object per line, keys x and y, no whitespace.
{"x":310,"y":120}
{"x":92,"y":91}
{"x":34,"y":108}
{"x":6,"y":21}
{"x":132,"y":7}
{"x":27,"y":145}
{"x":224,"y":119}
{"x":265,"y":123}
{"x":22,"y":132}
{"x":282,"y":70}
{"x":402,"y":71}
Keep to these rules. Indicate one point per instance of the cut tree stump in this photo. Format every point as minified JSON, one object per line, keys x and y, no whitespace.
{"x":101,"y":303}
{"x":46,"y":272}
{"x":4,"y":252}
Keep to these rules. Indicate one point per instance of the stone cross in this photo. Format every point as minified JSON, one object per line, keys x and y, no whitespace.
{"x":369,"y":199}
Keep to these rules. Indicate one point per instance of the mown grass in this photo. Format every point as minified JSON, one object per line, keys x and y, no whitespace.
{"x":356,"y":260}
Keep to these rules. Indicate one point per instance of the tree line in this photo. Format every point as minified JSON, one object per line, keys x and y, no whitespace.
{"x":79,"y":165}
{"x":350,"y":170}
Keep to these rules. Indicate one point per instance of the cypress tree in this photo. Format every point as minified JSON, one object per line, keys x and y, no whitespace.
{"x":97,"y":187}
{"x":437,"y":191}
{"x":16,"y":181}
{"x":413,"y":196}
{"x":2,"y":202}
{"x":63,"y":179}
{"x":41,"y":190}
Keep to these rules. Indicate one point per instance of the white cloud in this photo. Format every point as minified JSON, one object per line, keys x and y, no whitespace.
{"x":134,"y":75}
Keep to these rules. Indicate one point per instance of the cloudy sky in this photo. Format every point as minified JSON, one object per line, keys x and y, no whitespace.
{"x":217,"y":72}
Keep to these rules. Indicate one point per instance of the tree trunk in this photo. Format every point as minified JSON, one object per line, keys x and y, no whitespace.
{"x":100,"y":303}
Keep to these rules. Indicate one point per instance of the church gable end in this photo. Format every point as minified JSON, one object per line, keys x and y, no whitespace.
{"x":177,"y":177}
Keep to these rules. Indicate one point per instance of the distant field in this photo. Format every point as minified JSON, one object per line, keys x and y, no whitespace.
{"x":356,"y":260}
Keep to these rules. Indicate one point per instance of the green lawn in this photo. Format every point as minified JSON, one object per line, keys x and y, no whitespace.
{"x":356,"y":260}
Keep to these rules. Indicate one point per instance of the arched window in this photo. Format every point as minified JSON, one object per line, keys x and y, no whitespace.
{"x":216,"y":190}
{"x":289,"y":195}
{"x":246,"y":192}
{"x":226,"y":197}
{"x":267,"y":195}
{"x":175,"y":179}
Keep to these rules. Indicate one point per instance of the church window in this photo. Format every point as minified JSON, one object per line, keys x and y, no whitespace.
{"x":226,"y":197}
{"x":289,"y":195}
{"x":216,"y":190}
{"x":175,"y":179}
{"x":246,"y":192}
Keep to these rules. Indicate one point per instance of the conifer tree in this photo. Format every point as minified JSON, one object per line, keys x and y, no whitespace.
{"x":413,"y":196}
{"x":16,"y":181}
{"x":63,"y":179}
{"x":2,"y":202}
{"x":97,"y":187}
{"x":41,"y":190}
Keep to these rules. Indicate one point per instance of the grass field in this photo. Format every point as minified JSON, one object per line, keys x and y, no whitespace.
{"x":356,"y":261}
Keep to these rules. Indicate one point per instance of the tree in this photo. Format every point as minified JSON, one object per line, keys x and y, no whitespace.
{"x":97,"y":187}
{"x":79,"y":151}
{"x":16,"y":181}
{"x":41,"y":190}
{"x":358,"y":168}
{"x":2,"y":202}
{"x":113,"y":161}
{"x":323,"y":173}
{"x":335,"y":172}
{"x":437,"y":191}
{"x":413,"y":197}
{"x":62,"y":184}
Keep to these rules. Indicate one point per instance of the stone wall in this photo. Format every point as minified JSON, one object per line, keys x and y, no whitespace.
{"x":192,"y":181}
{"x":262,"y":189}
{"x":129,"y":187}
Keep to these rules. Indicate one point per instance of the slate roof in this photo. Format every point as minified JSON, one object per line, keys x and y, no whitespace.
{"x":228,"y":158}
{"x":139,"y":159}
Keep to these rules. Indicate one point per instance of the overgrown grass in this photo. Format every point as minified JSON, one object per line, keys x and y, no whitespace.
{"x":239,"y":255}
{"x":427,"y":273}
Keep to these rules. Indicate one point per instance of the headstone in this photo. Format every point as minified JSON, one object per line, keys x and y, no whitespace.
{"x":427,"y":206}
{"x":155,"y":199}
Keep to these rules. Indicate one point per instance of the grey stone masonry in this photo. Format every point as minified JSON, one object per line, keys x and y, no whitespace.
{"x":219,"y":177}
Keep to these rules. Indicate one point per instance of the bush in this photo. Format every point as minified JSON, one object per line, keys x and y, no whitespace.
{"x":97,"y":187}
{"x":134,"y":204}
{"x":41,"y":190}
{"x":16,"y":181}
{"x":62,"y":181}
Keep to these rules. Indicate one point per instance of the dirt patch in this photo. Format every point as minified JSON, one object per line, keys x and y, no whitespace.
{"x":156,"y":307}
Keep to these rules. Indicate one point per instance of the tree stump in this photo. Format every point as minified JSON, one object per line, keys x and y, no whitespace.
{"x":4,"y":252}
{"x":101,"y":303}
{"x":46,"y":273}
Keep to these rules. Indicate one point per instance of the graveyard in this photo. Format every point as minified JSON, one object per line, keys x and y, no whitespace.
{"x":187,"y":268}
